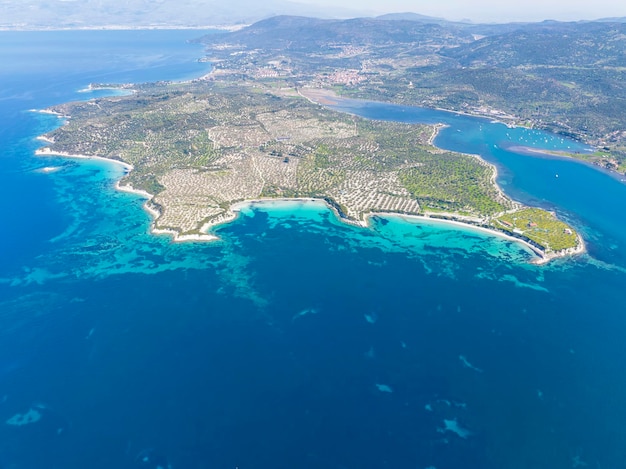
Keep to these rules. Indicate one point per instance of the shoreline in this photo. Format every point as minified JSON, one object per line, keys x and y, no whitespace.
{"x":563,"y":155}
{"x":328,"y":97}
{"x":46,"y":151}
{"x":124,"y":89}
{"x":482,"y":229}
{"x":510,"y":121}
{"x":237,"y":206}
{"x":321,"y":97}
{"x":541,"y":257}
{"x":153,"y":212}
{"x":49,"y":112}
{"x":205,"y":234}
{"x":437,"y":128}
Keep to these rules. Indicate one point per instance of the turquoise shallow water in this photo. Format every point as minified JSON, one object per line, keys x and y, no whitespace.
{"x":581,"y":194}
{"x":296,"y":340}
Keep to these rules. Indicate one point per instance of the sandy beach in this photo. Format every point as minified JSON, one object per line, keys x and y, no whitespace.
{"x":43,"y":138}
{"x":482,"y":229}
{"x":194,"y":237}
{"x":295,"y":200}
{"x":121,"y":90}
{"x":131,"y":190}
{"x":543,"y":257}
{"x":45,"y":111}
{"x":438,"y":128}
{"x":47,"y":152}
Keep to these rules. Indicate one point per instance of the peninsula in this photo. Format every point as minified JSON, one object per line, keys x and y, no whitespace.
{"x":196,"y":149}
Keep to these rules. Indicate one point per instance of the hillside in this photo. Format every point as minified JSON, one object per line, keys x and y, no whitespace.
{"x":568,"y":78}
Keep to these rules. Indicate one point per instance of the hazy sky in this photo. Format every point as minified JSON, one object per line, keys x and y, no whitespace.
{"x":491,"y":10}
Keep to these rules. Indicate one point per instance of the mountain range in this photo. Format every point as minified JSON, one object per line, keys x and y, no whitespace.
{"x":111,"y":14}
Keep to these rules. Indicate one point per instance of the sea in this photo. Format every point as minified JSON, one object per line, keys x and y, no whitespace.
{"x":296,"y":341}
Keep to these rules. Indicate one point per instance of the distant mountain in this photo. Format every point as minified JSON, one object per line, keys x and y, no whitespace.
{"x":613,"y":20}
{"x":74,"y":14}
{"x":548,"y":43}
{"x":410,"y":17}
{"x":306,"y":34}
{"x":298,"y":33}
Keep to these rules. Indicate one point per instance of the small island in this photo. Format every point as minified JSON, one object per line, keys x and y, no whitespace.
{"x":196,"y":149}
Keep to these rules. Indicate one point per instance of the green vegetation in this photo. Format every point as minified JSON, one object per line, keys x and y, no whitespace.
{"x":540,"y":227}
{"x":455,"y":183}
{"x":199,"y":147}
{"x":201,"y":126}
{"x":575,"y":87}
{"x":321,"y":157}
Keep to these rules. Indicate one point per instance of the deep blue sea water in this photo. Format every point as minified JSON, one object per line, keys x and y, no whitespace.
{"x":296,"y":341}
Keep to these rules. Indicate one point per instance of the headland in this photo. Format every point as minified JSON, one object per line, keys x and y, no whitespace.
{"x":196,"y":149}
